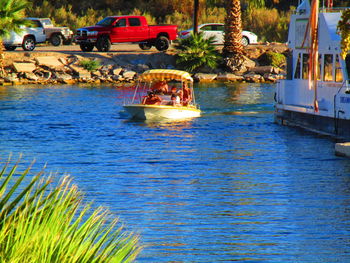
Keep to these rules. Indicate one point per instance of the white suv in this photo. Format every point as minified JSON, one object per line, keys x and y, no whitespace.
{"x":28,"y":38}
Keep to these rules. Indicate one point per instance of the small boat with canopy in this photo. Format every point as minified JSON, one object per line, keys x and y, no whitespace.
{"x":164,"y":107}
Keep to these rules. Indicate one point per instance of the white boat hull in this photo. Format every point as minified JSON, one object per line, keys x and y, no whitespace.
{"x":147,"y":112}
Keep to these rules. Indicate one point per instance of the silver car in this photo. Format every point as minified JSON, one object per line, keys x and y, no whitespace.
{"x":27,"y":38}
{"x":217,"y":31}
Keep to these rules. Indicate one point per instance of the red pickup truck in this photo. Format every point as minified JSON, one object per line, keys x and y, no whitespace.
{"x":121,"y":29}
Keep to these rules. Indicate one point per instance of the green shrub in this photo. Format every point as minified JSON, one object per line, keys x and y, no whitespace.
{"x":270,"y":58}
{"x":196,"y":52}
{"x":269,"y":24}
{"x":45,"y":222}
{"x":90,"y":64}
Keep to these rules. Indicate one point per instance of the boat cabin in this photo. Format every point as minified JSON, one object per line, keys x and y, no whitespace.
{"x":331,"y":67}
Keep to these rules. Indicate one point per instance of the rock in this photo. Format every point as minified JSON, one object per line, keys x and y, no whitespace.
{"x":248,"y":63}
{"x":31,"y":76}
{"x":63,"y":76}
{"x":80,"y":72}
{"x":50,"y":62}
{"x":12,"y":77}
{"x":204,"y":77}
{"x":129,"y":74}
{"x":24,"y":67}
{"x":270,"y":77}
{"x":96,"y":73}
{"x":225,"y":77}
{"x":263,"y":69}
{"x":253,"y":77}
{"x":117,"y":71}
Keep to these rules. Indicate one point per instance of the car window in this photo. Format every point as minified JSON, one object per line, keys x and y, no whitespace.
{"x":134,"y":22}
{"x":35,"y":23}
{"x":46,"y":22}
{"x":220,"y":27}
{"x":207,"y":28}
{"x":121,"y":23}
{"x":106,"y":21}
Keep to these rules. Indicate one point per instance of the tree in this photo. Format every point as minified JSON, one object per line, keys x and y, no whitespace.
{"x":11,"y":18}
{"x":233,"y":48}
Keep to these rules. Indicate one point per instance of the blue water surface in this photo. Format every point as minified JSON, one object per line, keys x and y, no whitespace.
{"x":228,"y":186}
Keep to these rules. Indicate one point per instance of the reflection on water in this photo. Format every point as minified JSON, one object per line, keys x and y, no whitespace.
{"x":228,"y":186}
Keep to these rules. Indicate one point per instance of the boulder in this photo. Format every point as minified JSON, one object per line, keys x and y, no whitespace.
{"x":129,"y":74}
{"x":117,"y":71}
{"x":226,"y":77}
{"x":63,"y":76}
{"x":12,"y":77}
{"x":24,"y":67}
{"x":204,"y":77}
{"x":50,"y":62}
{"x":31,"y":76}
{"x":253,"y":77}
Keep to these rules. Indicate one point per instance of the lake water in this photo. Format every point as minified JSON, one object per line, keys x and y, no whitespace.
{"x":228,"y":186}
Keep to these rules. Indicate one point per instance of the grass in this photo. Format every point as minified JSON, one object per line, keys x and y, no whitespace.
{"x":45,"y":222}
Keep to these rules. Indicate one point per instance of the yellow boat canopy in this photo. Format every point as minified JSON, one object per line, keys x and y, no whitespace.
{"x":165,"y":74}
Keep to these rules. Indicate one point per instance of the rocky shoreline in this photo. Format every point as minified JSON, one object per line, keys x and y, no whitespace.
{"x":59,"y":68}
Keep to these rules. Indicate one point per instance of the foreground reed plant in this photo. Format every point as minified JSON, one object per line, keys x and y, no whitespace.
{"x":42,"y":222}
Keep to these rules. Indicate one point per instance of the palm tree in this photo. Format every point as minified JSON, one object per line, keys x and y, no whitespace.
{"x":11,"y":18}
{"x":233,"y":48}
{"x":45,"y":220}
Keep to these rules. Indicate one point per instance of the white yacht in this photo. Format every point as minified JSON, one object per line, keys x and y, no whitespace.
{"x":315,"y":94}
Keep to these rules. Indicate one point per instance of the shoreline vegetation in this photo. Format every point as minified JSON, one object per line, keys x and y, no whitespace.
{"x":23,"y":68}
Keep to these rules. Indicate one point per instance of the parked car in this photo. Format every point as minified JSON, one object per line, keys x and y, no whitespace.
{"x":217,"y":30}
{"x":122,"y":29}
{"x":39,"y":31}
{"x":55,"y":35}
{"x":27,"y":38}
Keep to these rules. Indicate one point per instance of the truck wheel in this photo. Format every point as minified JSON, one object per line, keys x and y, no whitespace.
{"x":245,"y":41}
{"x":103,"y":44}
{"x":162,"y":43}
{"x":86,"y":47}
{"x":56,"y":40}
{"x":28,"y":43}
{"x":10,"y":48}
{"x":145,"y":46}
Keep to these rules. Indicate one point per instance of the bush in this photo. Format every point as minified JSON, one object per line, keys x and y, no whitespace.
{"x":90,"y":64}
{"x":272,"y":58}
{"x":196,"y":52}
{"x":269,"y":24}
{"x":42,"y":222}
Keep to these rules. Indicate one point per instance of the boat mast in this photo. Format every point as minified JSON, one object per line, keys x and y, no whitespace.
{"x":313,"y":50}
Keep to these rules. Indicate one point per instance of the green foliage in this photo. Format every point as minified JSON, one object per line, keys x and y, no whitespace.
{"x":343,"y":28}
{"x":272,"y":58}
{"x":11,"y":16}
{"x":42,"y":222}
{"x":196,"y":52}
{"x":269,"y":24}
{"x":90,"y":64}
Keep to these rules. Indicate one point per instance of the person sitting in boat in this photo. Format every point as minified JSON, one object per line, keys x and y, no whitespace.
{"x":152,"y":99}
{"x":174,"y":100}
{"x":173,"y":91}
{"x":185,"y":94}
{"x":160,"y":87}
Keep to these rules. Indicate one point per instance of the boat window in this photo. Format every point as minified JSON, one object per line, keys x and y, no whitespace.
{"x":338,"y":72}
{"x":305,"y":72}
{"x":328,"y":67}
{"x":347,"y":61}
{"x":297,"y":68}
{"x":319,"y":67}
